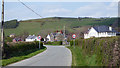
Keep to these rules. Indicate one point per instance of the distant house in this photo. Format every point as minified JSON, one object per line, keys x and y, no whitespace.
{"x":12,"y":35}
{"x":100,"y":31}
{"x":50,"y":37}
{"x":58,"y":36}
{"x":31,"y":38}
{"x":14,"y":40}
{"x":17,"y":40}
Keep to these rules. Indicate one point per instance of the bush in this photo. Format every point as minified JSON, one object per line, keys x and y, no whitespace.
{"x":72,"y":42}
{"x":54,"y":43}
{"x":8,"y":39}
{"x":12,"y":48}
{"x":102,"y":47}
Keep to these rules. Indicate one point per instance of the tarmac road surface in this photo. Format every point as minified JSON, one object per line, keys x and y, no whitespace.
{"x":53,"y":56}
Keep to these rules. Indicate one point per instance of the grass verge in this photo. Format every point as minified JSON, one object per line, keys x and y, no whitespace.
{"x":21,"y":56}
{"x":79,"y":58}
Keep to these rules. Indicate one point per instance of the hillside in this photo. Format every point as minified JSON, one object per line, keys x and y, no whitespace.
{"x":11,"y":24}
{"x":47,"y":25}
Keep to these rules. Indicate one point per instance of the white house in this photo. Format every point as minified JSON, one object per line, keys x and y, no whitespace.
{"x":48,"y":37}
{"x":31,"y":38}
{"x":100,"y":31}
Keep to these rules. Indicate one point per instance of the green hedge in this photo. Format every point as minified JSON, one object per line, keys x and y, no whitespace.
{"x":54,"y":43}
{"x":12,"y":48}
{"x":102,"y":47}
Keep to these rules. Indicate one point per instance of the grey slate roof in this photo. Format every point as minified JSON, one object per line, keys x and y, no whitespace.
{"x":103,"y":29}
{"x":31,"y":37}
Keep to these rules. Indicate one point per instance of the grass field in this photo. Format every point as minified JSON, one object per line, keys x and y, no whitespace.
{"x":47,"y":25}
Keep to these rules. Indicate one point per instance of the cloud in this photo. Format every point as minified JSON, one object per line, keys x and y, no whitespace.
{"x":93,"y":10}
{"x":54,"y":10}
{"x":58,"y":10}
{"x":97,"y":10}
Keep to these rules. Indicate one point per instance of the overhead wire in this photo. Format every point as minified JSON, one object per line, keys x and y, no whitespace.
{"x":30,"y":8}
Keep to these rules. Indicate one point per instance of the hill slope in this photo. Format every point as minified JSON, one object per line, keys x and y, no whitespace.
{"x":47,"y":25}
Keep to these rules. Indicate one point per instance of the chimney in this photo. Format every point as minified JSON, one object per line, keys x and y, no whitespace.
{"x":110,"y":28}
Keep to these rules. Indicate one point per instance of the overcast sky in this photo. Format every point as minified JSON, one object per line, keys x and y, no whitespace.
{"x":15,"y":10}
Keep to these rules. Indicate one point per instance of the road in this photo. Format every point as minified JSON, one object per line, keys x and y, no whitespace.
{"x":53,"y":56}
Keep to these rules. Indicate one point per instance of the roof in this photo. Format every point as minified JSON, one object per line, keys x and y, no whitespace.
{"x":12,"y":34}
{"x":31,"y":37}
{"x":103,"y":29}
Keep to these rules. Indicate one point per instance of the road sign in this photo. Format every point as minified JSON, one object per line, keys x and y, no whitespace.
{"x":39,"y":37}
{"x":74,"y":36}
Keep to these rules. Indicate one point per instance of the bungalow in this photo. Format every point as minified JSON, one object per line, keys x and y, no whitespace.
{"x":31,"y":38}
{"x":12,"y":35}
{"x":100,"y":31}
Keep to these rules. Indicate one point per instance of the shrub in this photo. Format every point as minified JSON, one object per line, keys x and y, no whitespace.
{"x":8,"y":39}
{"x":102,"y":47}
{"x":11,"y":48}
{"x":54,"y":43}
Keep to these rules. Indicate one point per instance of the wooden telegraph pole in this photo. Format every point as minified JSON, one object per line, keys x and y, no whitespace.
{"x":64,"y":42}
{"x":2,"y":30}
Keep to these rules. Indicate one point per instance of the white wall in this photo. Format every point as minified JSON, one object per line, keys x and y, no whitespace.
{"x":93,"y":33}
{"x":48,"y":37}
{"x":31,"y":40}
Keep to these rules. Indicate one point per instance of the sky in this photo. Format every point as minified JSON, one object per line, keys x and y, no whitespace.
{"x":15,"y":10}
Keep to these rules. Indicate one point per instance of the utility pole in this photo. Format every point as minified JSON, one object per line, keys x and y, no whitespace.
{"x":2,"y":30}
{"x":64,"y":36}
{"x":64,"y":31}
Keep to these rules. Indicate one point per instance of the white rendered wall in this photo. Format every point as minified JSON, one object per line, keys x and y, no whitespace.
{"x":93,"y":33}
{"x":48,"y":37}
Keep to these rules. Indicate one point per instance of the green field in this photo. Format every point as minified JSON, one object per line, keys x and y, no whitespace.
{"x":48,"y":25}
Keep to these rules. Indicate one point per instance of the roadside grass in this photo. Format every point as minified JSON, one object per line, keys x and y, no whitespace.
{"x":80,"y":58}
{"x":21,"y":56}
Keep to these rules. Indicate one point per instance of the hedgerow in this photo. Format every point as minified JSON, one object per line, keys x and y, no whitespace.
{"x":102,"y":47}
{"x":13,"y":48}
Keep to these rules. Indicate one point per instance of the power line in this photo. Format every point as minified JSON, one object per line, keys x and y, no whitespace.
{"x":29,"y":8}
